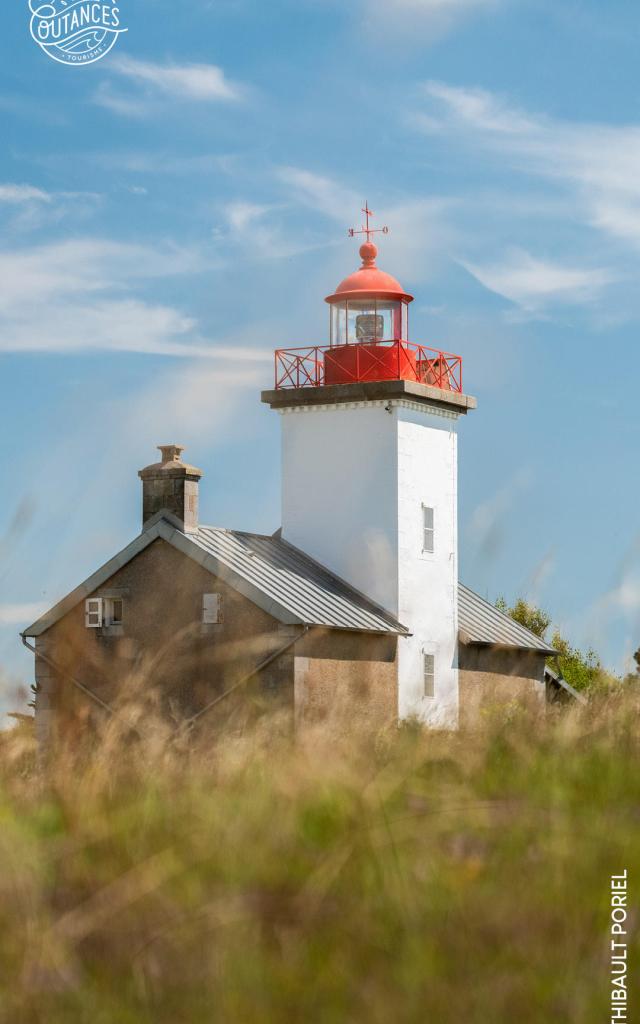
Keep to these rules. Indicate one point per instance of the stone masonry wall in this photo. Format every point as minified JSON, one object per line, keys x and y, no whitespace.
{"x":491,"y":678}
{"x":162,"y":643}
{"x":346,"y":681}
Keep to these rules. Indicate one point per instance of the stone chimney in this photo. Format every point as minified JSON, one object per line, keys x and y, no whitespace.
{"x":172,"y":486}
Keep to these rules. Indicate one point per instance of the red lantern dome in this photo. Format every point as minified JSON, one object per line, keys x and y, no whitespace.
{"x":369,"y":281}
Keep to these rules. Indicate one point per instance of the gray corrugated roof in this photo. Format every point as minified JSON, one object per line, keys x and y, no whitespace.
{"x":290,"y":585}
{"x":281,"y":580}
{"x":481,"y":623}
{"x":294,"y":581}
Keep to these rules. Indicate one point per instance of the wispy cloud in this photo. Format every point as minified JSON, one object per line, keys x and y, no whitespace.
{"x":260,"y":230}
{"x":421,"y":234}
{"x":598,"y":163}
{"x":242,"y":214}
{"x":150,"y":85}
{"x":23,"y":194}
{"x":49,"y":294}
{"x":25,"y":208}
{"x":427,"y":20}
{"x":124,"y":104}
{"x":533,"y":283}
{"x":194,"y":81}
{"x":324,"y":194}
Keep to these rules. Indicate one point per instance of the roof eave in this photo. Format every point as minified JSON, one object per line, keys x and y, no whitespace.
{"x":86,"y":588}
{"x":503,"y":645}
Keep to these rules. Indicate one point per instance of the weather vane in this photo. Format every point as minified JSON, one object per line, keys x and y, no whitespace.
{"x":367,"y":230}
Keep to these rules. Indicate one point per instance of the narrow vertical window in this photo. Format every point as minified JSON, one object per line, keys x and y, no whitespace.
{"x":429,"y":675}
{"x":427,"y":529}
{"x":115,"y":611}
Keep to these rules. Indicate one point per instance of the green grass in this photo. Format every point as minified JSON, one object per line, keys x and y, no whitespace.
{"x":398,"y":878}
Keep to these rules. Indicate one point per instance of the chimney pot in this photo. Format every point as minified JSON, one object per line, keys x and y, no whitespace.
{"x":171,"y":452}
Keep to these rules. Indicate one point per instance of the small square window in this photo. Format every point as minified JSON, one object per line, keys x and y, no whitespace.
{"x":103,"y":611}
{"x":211,"y":608}
{"x":428,"y":529}
{"x":429,"y":669}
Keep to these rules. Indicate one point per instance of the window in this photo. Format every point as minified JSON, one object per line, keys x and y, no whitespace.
{"x":429,"y":670}
{"x":427,"y":529}
{"x":103,"y":611}
{"x":113,"y":608}
{"x":211,"y":608}
{"x":93,"y":613}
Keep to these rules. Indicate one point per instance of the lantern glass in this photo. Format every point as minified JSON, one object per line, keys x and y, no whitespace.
{"x":368,"y":320}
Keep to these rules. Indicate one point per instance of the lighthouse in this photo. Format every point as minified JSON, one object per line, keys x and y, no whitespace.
{"x":370,"y":471}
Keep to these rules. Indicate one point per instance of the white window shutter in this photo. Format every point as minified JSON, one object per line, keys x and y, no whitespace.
{"x":93,"y":612}
{"x":211,"y":608}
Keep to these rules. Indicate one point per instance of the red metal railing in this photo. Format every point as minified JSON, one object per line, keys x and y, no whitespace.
{"x":367,"y":361}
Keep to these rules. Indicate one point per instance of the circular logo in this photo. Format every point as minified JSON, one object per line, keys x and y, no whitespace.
{"x":75,"y":31}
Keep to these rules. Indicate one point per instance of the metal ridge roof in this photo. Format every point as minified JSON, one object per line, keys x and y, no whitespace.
{"x":296,"y":582}
{"x":276,"y":576}
{"x":291,"y":586}
{"x":482,"y":623}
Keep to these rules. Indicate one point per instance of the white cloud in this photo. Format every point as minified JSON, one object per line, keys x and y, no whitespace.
{"x":81,"y":266}
{"x":119,"y":103}
{"x":617,"y":608}
{"x":532,"y":283}
{"x":192,"y":403}
{"x":326,"y":195}
{"x":23,"y":194}
{"x":21,"y":614}
{"x":242,"y":214}
{"x":481,"y":109}
{"x":205,"y":82}
{"x":626,"y":596}
{"x":420,"y":229}
{"x":598,"y":164}
{"x":261,"y":231}
{"x":76,"y":296}
{"x":427,"y":19}
{"x":161,"y":162}
{"x":27,"y":208}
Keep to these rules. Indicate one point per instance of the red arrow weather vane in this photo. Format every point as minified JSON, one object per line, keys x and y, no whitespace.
{"x":367,"y":230}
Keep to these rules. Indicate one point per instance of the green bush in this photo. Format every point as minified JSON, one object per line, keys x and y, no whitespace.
{"x":582,"y":670}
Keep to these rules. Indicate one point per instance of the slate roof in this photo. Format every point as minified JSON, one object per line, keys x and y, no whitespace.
{"x":481,"y":623}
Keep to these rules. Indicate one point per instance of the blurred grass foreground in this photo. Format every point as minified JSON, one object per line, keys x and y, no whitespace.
{"x":408,"y":876}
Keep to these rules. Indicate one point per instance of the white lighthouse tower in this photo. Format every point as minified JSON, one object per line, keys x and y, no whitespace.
{"x":369,"y":472}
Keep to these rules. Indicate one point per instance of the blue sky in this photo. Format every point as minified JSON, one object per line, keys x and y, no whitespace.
{"x":174,"y":212}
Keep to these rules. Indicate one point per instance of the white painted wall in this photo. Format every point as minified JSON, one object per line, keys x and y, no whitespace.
{"x":355,"y":478}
